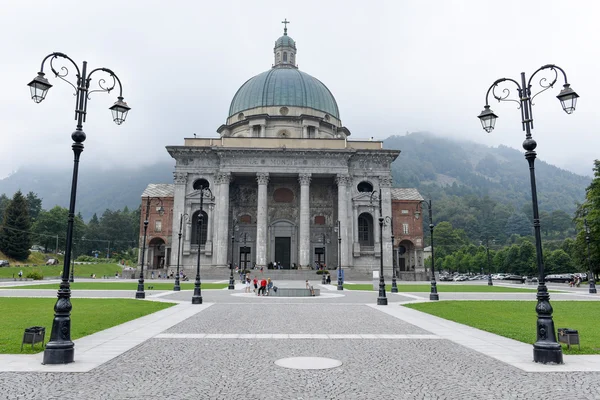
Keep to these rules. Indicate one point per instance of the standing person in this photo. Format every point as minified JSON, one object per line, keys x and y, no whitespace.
{"x":255,"y":282}
{"x":20,"y":274}
{"x":328,"y":280}
{"x":261,"y":269}
{"x":263,"y":287}
{"x":269,"y":286}
{"x":247,"y":285}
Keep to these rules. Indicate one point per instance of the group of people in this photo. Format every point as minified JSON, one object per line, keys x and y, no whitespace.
{"x":576,"y":281}
{"x":261,"y":287}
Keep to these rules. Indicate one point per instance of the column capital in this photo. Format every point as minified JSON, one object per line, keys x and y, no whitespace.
{"x":343,"y":180}
{"x":385,"y":181}
{"x":304,"y":179}
{"x":262,"y":178}
{"x":223,"y":178}
{"x":180,"y":178}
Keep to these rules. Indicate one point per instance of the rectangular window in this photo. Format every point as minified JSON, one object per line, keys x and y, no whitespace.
{"x":157,"y":226}
{"x":405,"y":229}
{"x":404,"y":211}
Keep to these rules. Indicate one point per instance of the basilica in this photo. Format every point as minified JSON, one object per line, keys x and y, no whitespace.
{"x":283,"y":183}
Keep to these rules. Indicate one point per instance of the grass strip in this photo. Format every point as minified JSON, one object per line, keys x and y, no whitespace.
{"x":444,"y":288}
{"x":517,"y":319}
{"x":128,"y":285}
{"x":88,"y":316}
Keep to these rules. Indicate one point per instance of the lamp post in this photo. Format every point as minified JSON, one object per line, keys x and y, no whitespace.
{"x":433,"y":295}
{"x":591,"y":279}
{"x":394,"y":285}
{"x":234,"y":228}
{"x":244,"y":235}
{"x":72,"y":277}
{"x":340,"y":282}
{"x":323,"y":277}
{"x":177,"y":287}
{"x":60,"y":348}
{"x":197,"y":296}
{"x":489,"y":264}
{"x":381,"y":299}
{"x":140,"y":294}
{"x":546,"y":349}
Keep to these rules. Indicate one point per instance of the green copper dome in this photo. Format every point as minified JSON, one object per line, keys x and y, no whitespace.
{"x":284,"y":87}
{"x":285,"y":40}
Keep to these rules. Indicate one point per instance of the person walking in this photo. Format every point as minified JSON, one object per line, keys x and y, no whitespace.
{"x":247,"y":285}
{"x":255,"y":282}
{"x":269,"y":286}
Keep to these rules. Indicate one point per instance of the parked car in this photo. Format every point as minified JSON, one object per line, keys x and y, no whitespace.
{"x":52,"y":261}
{"x":562,"y":278}
{"x":517,"y":278}
{"x":4,"y":263}
{"x":460,"y":278}
{"x":446,"y":278}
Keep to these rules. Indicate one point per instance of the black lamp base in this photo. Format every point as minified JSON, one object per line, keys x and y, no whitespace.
{"x":60,"y":355}
{"x":547,"y":354}
{"x":382,"y":301}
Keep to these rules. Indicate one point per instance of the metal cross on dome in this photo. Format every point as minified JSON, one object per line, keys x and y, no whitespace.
{"x":285,"y":22}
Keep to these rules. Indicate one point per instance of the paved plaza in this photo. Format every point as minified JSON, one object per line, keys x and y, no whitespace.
{"x":233,"y":346}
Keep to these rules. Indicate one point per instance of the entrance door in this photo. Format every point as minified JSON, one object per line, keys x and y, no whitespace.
{"x":319,"y":256}
{"x":283,"y":251}
{"x":402,"y":264}
{"x":245,"y":257}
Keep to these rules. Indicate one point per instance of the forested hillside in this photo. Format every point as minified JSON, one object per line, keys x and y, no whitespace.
{"x":441,"y":167}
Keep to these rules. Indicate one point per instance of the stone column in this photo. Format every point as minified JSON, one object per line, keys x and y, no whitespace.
{"x":385,"y":183}
{"x":209,"y":229}
{"x":261,"y":220}
{"x":355,"y":223}
{"x":263,"y":129}
{"x":304,"y":131}
{"x":316,"y":132}
{"x":304,"y":259}
{"x":180,"y":181}
{"x":223,"y":180}
{"x":343,"y":181}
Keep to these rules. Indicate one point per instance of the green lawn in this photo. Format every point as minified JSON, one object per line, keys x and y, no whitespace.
{"x":443,"y":288}
{"x":516,"y":319}
{"x":127,"y":285}
{"x":88,"y":316}
{"x":52,"y":271}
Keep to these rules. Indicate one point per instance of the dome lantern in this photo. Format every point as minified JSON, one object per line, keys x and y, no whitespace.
{"x":284,"y":52}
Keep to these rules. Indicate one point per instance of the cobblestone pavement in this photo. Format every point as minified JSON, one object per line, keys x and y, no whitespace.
{"x":190,"y":368}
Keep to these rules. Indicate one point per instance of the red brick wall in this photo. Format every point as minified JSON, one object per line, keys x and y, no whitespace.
{"x":166,"y":219}
{"x":415,"y":226}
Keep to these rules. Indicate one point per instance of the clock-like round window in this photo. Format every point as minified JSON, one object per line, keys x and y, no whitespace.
{"x":284,"y":111}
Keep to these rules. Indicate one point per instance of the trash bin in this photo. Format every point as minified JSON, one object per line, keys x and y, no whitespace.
{"x":33,"y":335}
{"x":568,"y":336}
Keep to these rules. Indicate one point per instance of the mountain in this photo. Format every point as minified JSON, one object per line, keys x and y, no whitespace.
{"x":97,"y":190}
{"x":436,"y":166}
{"x":439,"y":166}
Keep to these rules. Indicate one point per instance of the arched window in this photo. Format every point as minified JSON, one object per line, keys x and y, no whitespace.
{"x":365,"y":229}
{"x":284,"y":56}
{"x":283,"y":195}
{"x":292,"y":58}
{"x":203,"y":228}
{"x":278,"y":57}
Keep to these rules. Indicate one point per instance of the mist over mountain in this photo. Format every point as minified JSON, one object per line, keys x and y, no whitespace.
{"x":434,"y":165}
{"x":97,"y":190}
{"x":440,"y":166}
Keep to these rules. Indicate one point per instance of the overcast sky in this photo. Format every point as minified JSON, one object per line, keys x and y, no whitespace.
{"x":393,"y":67}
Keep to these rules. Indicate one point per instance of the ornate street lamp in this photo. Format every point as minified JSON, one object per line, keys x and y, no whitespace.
{"x":72,"y":277}
{"x":177,"y":287}
{"x":591,"y":278}
{"x":546,"y":349}
{"x":381,"y":299}
{"x":140,"y":294}
{"x":60,"y":348}
{"x":234,"y":228}
{"x":340,"y":282}
{"x":433,"y":295}
{"x":197,"y":296}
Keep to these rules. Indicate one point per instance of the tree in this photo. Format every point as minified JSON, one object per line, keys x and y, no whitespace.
{"x":590,"y":210}
{"x":518,"y":223}
{"x":447,"y":239}
{"x":34,"y":204}
{"x":4,"y":201}
{"x":53,"y":224}
{"x":15,"y":237}
{"x":558,"y":262}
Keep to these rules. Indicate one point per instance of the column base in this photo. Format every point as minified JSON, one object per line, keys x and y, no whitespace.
{"x":60,"y":355}
{"x":547,"y":354}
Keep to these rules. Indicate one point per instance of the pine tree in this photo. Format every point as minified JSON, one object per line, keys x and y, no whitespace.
{"x":15,"y":237}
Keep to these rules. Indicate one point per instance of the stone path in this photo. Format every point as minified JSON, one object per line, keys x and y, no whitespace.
{"x":228,"y":347}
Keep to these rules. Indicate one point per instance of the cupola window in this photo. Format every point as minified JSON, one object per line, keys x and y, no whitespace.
{"x":284,"y":56}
